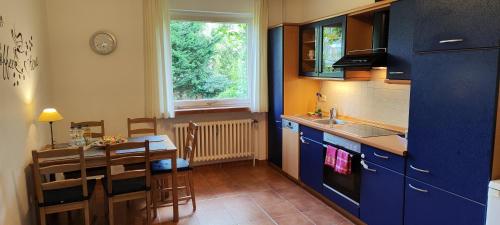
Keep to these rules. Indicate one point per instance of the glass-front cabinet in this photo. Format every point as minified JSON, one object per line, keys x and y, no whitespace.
{"x":321,"y":45}
{"x":309,"y":45}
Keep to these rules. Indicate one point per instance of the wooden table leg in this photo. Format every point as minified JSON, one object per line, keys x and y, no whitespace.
{"x":175,"y":196}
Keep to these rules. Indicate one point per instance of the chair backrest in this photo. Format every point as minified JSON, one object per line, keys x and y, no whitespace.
{"x":116,"y":158}
{"x":190,"y":143}
{"x":42,"y":169}
{"x":152,"y":129}
{"x":91,"y":124}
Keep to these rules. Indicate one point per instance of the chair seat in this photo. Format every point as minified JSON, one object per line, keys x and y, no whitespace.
{"x":165,"y":166}
{"x":126,"y":185}
{"x":67,"y":195}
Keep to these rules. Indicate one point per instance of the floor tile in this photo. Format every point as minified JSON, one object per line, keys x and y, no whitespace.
{"x":293,"y":219}
{"x":280,"y":209}
{"x":228,"y":194}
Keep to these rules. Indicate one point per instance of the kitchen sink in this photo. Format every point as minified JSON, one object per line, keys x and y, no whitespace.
{"x":327,"y":121}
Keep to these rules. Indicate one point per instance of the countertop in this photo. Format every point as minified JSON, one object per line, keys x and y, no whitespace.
{"x":392,"y":143}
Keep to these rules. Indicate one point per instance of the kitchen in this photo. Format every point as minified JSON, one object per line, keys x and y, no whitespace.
{"x":250,"y":112}
{"x":402,"y":101}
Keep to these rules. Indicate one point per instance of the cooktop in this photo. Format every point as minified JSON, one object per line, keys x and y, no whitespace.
{"x":364,"y":130}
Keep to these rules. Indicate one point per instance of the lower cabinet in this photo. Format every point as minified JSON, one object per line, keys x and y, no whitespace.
{"x":382,"y":196}
{"x":425,"y":204}
{"x":311,"y":163}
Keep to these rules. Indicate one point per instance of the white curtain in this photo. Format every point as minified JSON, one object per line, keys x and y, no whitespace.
{"x":259,"y":89}
{"x":158,"y":60}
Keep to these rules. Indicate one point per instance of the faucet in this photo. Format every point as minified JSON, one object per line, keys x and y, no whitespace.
{"x":333,"y":114}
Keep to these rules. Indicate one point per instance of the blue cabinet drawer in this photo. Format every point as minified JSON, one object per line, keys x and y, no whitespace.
{"x":383,"y":158}
{"x":456,"y":24}
{"x":311,"y":133}
{"x":425,"y":204}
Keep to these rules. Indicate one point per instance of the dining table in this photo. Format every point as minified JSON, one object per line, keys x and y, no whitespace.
{"x":160,"y":147}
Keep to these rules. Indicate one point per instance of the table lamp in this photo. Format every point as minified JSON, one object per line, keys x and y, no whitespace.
{"x":50,"y":115}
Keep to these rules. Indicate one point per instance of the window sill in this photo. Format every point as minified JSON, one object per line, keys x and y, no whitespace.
{"x":180,"y":112}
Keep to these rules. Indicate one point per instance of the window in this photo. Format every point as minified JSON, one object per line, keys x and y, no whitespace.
{"x":210,"y":63}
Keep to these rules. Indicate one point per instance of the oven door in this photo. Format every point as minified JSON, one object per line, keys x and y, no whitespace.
{"x":346,"y":185}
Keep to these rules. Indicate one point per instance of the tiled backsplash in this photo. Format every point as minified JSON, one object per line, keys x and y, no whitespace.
{"x":369,"y":100}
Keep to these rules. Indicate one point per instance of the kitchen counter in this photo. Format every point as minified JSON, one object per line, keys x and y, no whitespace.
{"x":391,"y":143}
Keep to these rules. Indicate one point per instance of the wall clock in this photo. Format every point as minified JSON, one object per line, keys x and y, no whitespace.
{"x":103,"y":43}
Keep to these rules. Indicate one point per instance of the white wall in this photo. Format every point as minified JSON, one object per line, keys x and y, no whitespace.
{"x":239,"y":6}
{"x":370,"y":100}
{"x":19,"y":108}
{"x":314,"y":9}
{"x":87,"y":86}
{"x":300,"y":11}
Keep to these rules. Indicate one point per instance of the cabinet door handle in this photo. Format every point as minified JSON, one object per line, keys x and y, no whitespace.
{"x":380,"y":156}
{"x":366,"y":167}
{"x":278,"y":121}
{"x":303,"y":141}
{"x":451,"y":41}
{"x":419,"y":170}
{"x":396,"y":72}
{"x":417,"y":189}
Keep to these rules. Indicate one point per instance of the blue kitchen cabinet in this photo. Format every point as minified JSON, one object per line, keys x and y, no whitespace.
{"x":428,"y":205}
{"x":311,"y":158}
{"x":452,"y":119}
{"x":456,"y":24}
{"x":275,"y":86}
{"x":400,"y":44}
{"x":382,"y":195}
{"x":383,"y":158}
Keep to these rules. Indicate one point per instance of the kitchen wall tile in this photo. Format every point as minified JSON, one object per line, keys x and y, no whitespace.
{"x":372,"y":100}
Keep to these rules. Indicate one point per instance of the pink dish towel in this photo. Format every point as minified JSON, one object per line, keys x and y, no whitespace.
{"x":343,"y":164}
{"x":331,"y":156}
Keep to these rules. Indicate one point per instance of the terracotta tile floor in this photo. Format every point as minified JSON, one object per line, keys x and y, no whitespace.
{"x":230,"y":194}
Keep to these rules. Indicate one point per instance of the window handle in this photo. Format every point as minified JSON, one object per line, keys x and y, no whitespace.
{"x":451,"y":41}
{"x":417,"y":189}
{"x":380,"y":156}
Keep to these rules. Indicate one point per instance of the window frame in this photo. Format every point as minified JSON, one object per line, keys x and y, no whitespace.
{"x":220,"y":17}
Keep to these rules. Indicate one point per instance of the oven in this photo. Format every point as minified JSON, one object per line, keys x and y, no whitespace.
{"x":343,"y":188}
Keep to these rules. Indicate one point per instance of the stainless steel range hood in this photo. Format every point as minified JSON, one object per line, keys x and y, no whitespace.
{"x":366,"y":59}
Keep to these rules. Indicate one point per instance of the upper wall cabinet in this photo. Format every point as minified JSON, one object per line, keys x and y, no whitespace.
{"x":321,"y":45}
{"x":457,"y":24}
{"x":400,"y":44}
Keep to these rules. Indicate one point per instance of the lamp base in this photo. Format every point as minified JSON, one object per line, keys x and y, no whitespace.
{"x":51,"y":136}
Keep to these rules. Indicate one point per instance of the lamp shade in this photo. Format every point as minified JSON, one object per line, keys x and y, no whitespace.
{"x":49,"y":115}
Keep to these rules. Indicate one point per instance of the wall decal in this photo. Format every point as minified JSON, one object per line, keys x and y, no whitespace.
{"x":16,"y":56}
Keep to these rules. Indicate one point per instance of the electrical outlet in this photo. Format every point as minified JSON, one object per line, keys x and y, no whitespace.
{"x":322,"y":98}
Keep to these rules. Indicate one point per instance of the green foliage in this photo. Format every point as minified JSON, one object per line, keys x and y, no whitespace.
{"x":209,"y":60}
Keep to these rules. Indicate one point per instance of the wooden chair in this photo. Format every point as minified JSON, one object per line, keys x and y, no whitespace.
{"x":128,"y":185}
{"x":151,"y":130}
{"x":62,"y":195}
{"x":99,"y":171}
{"x":163,"y":168}
{"x":91,"y":124}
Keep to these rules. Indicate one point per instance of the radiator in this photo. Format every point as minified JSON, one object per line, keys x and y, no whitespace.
{"x":219,"y":140}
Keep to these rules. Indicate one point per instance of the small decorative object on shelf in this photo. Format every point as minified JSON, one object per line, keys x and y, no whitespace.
{"x":311,"y":54}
